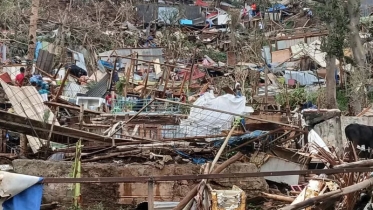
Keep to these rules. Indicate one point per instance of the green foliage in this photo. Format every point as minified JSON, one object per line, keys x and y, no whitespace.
{"x":119,"y":86}
{"x":215,"y":55}
{"x":342,"y":100}
{"x":334,"y":13}
{"x":296,"y":96}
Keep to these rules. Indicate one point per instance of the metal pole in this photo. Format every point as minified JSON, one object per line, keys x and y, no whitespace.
{"x":150,"y":195}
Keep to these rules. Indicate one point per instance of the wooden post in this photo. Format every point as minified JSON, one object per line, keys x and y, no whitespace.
{"x":150,"y":195}
{"x":51,"y":131}
{"x":146,"y":80}
{"x":128,"y":75}
{"x":167,"y":77}
{"x":32,"y":29}
{"x":62,"y":85}
{"x":219,"y":169}
{"x":217,"y":156}
{"x":192,"y":68}
{"x":23,"y":145}
{"x":81,"y":115}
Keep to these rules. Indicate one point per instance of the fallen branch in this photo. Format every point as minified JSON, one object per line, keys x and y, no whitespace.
{"x":330,"y":195}
{"x":278,"y":197}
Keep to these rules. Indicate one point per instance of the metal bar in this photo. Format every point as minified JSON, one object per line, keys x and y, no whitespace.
{"x":142,"y":109}
{"x":225,"y":112}
{"x":150,"y":195}
{"x":145,"y":179}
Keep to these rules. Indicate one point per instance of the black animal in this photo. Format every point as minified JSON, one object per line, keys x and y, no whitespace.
{"x":360,"y":135}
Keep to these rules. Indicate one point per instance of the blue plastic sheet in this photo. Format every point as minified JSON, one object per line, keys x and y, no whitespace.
{"x":194,"y":160}
{"x":277,"y":7}
{"x":106,"y":64}
{"x":240,"y":139}
{"x":38,"y":47}
{"x":29,"y":199}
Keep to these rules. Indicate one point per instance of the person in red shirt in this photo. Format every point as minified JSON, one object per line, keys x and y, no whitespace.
{"x":109,"y":100}
{"x":20,"y":77}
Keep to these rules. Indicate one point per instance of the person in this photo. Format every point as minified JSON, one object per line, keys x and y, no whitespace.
{"x":309,"y":14}
{"x":253,"y":9}
{"x":261,"y":26}
{"x":20,"y":77}
{"x":183,"y":97}
{"x":237,"y":89}
{"x":109,"y":100}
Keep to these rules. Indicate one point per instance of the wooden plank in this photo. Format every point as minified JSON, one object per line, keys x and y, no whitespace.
{"x":76,"y":108}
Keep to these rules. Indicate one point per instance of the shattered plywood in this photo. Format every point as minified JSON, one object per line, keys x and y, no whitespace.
{"x":28,"y":103}
{"x":268,"y":163}
{"x":281,"y":55}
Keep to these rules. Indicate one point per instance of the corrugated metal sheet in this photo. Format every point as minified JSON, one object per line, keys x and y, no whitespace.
{"x":45,"y":61}
{"x":28,"y":103}
{"x":72,"y":89}
{"x":149,"y":12}
{"x":284,"y":44}
{"x":312,"y":39}
{"x":100,"y":88}
{"x":147,"y":54}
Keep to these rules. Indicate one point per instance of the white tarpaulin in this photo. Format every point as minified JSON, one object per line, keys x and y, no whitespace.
{"x":314,"y":138}
{"x":201,"y":122}
{"x":20,"y":192}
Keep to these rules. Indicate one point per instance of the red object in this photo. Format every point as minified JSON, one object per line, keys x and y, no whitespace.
{"x":253,"y":7}
{"x":19,"y":79}
{"x":5,"y":77}
{"x":108,"y":99}
{"x":201,"y":3}
{"x":196,"y":74}
{"x":291,"y":81}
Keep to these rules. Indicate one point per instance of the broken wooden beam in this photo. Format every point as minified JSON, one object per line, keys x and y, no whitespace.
{"x":278,"y":197}
{"x":219,"y":169}
{"x":75,"y":108}
{"x":330,"y":195}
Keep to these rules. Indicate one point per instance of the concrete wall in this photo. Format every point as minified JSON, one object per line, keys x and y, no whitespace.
{"x":113,"y":195}
{"x":326,"y":129}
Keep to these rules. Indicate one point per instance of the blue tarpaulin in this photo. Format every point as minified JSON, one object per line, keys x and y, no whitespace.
{"x":27,"y":192}
{"x":38,"y":47}
{"x":277,"y":7}
{"x":240,"y":139}
{"x":194,"y":160}
{"x":106,"y":64}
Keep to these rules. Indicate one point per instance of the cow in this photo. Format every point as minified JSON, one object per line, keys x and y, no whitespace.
{"x":360,"y":135}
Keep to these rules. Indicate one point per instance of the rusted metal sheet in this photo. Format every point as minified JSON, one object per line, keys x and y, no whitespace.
{"x":45,"y":61}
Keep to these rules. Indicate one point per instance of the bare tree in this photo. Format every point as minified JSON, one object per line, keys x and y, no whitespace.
{"x":33,"y":27}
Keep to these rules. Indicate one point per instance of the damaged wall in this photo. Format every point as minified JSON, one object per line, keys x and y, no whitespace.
{"x":326,"y":129}
{"x":112,"y":195}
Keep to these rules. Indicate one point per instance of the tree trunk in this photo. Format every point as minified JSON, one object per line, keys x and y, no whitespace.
{"x":32,"y":30}
{"x":331,"y":95}
{"x":358,"y":78}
